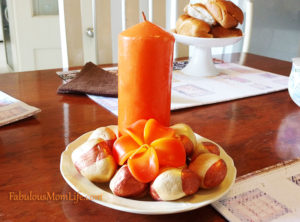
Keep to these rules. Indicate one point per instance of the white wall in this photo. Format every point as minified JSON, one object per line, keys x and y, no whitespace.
{"x":1,"y":28}
{"x":276,"y":29}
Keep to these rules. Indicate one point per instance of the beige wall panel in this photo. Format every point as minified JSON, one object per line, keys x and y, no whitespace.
{"x":181,"y":50}
{"x":159,"y":12}
{"x":103,"y":27}
{"x":131,"y":13}
{"x":73,"y":32}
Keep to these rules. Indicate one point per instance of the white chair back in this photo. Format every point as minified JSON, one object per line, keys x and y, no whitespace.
{"x":90,"y":28}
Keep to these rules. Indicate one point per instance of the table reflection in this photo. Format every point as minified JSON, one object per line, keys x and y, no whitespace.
{"x":288,"y":138}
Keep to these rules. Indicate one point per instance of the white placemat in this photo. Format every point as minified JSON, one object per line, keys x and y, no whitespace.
{"x":12,"y":110}
{"x":234,"y":82}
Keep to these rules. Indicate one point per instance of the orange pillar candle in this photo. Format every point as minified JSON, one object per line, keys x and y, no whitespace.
{"x":145,"y":62}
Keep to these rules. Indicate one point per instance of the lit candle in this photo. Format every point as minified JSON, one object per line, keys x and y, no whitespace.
{"x":145,"y":74}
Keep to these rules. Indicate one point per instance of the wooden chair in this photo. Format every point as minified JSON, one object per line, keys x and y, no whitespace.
{"x":90,"y":28}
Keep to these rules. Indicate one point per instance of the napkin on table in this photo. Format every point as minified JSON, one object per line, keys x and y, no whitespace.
{"x":92,"y":80}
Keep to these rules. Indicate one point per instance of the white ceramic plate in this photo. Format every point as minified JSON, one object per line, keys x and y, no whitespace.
{"x":102,"y":195}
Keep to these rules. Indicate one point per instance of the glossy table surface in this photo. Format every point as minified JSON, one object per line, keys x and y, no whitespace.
{"x":256,"y":132}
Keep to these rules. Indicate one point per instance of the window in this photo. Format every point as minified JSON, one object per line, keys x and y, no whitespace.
{"x":45,"y":7}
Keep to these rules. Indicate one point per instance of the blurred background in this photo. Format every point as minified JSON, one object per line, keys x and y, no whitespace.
{"x":44,"y":34}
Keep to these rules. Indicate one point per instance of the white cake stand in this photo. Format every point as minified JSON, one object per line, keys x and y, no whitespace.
{"x":201,"y":63}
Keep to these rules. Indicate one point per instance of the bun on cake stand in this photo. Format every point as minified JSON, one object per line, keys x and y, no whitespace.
{"x":208,"y":18}
{"x":201,"y":63}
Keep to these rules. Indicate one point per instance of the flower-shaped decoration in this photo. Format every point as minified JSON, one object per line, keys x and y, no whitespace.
{"x":148,"y":146}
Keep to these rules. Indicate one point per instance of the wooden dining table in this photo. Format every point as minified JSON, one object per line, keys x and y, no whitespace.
{"x":248,"y":129}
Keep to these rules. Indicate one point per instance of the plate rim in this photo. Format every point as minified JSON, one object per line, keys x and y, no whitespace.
{"x":216,"y":42}
{"x":187,"y":206}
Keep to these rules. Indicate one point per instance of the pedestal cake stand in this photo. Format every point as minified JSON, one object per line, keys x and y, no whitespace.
{"x":201,"y":63}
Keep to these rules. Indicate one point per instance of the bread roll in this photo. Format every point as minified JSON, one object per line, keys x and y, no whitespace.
{"x":174,"y":183}
{"x":123,"y":184}
{"x":107,"y":133}
{"x":198,"y":1}
{"x":220,"y":32}
{"x":210,"y":168}
{"x":227,"y":14}
{"x":94,"y":161}
{"x":199,"y":11}
{"x":185,"y":133}
{"x":186,"y":25}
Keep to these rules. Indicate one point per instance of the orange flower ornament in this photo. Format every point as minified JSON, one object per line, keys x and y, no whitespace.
{"x":147,"y":146}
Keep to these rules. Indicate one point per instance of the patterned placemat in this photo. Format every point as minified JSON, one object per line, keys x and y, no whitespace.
{"x":269,"y":194}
